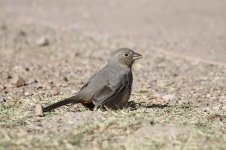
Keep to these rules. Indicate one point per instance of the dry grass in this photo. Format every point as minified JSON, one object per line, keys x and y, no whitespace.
{"x":178,"y":127}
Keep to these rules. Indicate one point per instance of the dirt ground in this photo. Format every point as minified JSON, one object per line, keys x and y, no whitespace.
{"x":186,"y":27}
{"x":178,"y":99}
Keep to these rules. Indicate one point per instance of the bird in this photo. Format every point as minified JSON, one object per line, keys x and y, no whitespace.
{"x":110,"y":87}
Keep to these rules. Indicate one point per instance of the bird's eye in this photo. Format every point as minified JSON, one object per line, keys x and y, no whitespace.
{"x":125,"y":54}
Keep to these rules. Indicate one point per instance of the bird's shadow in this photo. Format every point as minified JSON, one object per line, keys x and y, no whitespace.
{"x":134,"y":106}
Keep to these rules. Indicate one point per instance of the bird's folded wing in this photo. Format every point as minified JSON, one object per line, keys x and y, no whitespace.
{"x":110,"y":90}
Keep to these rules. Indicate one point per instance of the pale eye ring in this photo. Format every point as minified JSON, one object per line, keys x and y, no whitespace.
{"x":125,"y":54}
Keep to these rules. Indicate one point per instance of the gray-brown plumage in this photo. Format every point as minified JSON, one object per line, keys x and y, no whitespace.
{"x":110,"y":87}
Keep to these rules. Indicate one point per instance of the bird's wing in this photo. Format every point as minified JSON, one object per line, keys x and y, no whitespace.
{"x":87,"y":83}
{"x":114,"y":87}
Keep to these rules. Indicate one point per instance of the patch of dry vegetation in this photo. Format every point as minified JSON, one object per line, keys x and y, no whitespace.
{"x":144,"y":127}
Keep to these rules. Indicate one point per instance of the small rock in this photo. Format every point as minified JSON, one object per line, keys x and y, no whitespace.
{"x":8,"y":85}
{"x":39,"y":86}
{"x":169,"y":97}
{"x":9,"y":77}
{"x":22,"y":33}
{"x":26,"y":93}
{"x":208,"y":95}
{"x":54,"y":92}
{"x":39,"y":110}
{"x":18,"y":81}
{"x":65,"y":79}
{"x":43,"y":41}
{"x":27,"y":69}
{"x":143,"y":90}
{"x":216,"y":108}
{"x":1,"y":87}
{"x":182,"y":102}
{"x":77,"y":54}
{"x":223,"y":106}
{"x":1,"y":98}
{"x":74,"y":91}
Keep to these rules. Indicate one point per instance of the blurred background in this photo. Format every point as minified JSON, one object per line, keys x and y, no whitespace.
{"x":193,"y":28}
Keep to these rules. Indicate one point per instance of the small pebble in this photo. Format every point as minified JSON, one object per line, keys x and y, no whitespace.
{"x":1,"y":87}
{"x":26,"y":93}
{"x":43,"y":41}
{"x":39,"y":110}
{"x":18,"y":81}
{"x":1,"y":98}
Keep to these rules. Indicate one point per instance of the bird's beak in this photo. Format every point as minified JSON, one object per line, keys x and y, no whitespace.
{"x":136,"y":56}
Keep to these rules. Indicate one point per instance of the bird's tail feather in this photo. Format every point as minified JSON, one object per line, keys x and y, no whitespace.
{"x":75,"y":99}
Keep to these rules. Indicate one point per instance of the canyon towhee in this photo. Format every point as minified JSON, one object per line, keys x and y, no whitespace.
{"x":110,"y":87}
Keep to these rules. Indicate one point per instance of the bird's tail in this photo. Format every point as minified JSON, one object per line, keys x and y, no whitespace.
{"x":74,"y":99}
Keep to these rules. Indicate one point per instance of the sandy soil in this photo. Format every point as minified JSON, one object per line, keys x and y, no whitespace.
{"x":48,"y":54}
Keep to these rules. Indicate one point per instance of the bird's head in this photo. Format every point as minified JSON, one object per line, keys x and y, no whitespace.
{"x":124,"y":57}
